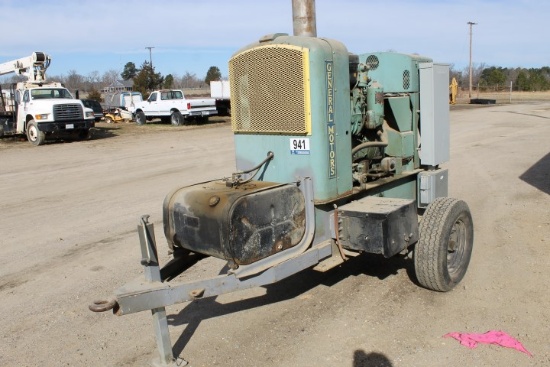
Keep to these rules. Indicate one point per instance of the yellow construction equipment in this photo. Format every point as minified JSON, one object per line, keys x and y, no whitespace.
{"x":453,"y":91}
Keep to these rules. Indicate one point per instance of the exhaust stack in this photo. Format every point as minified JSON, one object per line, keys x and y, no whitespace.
{"x":303,"y":18}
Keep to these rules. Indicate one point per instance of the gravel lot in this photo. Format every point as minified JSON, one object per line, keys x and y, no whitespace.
{"x":69,"y":213}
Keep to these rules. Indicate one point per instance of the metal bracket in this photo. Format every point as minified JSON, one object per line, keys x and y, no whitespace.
{"x":306,"y":186}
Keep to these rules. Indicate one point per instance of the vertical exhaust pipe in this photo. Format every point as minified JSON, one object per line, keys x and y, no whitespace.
{"x":303,"y":18}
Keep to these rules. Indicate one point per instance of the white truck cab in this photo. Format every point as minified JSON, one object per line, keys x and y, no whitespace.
{"x":172,"y":106}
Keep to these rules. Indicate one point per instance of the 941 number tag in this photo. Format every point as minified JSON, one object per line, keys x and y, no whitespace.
{"x":299,"y":145}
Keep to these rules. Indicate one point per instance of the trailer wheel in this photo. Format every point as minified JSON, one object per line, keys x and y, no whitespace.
{"x":444,"y":248}
{"x":140,"y":118}
{"x":176,"y":118}
{"x":35,"y":136}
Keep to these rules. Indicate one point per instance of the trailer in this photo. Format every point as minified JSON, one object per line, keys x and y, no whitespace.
{"x":337,"y":154}
{"x":124,"y":100}
{"x":221,"y":92}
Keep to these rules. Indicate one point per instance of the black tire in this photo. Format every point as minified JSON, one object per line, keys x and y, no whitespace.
{"x":444,"y":248}
{"x":176,"y":119}
{"x":35,"y":136}
{"x":84,"y":134}
{"x":140,"y":118}
{"x":108,"y":119}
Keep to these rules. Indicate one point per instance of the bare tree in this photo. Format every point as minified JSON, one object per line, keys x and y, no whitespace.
{"x":477,"y":70}
{"x":74,"y":81}
{"x":191,"y":81}
{"x":109,"y":77}
{"x":94,"y":80}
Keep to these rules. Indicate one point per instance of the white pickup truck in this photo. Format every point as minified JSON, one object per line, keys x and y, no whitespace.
{"x":171,"y":106}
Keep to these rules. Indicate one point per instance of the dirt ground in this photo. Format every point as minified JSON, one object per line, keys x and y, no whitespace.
{"x":68,"y":236}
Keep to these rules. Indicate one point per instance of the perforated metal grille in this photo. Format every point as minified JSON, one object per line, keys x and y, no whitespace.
{"x":372,"y":62}
{"x":406,"y":79}
{"x":269,"y":93}
{"x":62,"y":112}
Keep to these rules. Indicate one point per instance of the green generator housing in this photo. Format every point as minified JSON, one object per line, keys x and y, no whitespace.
{"x":310,"y":102}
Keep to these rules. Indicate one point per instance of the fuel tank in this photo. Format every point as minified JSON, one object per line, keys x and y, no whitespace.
{"x":241,"y":224}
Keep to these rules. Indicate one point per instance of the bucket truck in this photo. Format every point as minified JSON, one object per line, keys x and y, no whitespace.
{"x":40,"y":109}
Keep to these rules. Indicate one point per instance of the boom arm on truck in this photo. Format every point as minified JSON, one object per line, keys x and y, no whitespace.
{"x":33,"y":67}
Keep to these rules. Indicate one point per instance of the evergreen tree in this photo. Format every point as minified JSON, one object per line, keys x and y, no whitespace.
{"x":95,"y":95}
{"x":168,"y":81}
{"x":130,"y":71}
{"x":212,"y":75}
{"x":147,"y":80}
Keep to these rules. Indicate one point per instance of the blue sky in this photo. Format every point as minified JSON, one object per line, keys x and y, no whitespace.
{"x":190,"y":36}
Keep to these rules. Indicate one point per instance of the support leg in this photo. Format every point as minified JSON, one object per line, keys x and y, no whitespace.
{"x":152,"y":274}
{"x":164,"y":345}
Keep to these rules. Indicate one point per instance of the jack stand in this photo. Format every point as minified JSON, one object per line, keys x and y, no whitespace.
{"x":152,"y":274}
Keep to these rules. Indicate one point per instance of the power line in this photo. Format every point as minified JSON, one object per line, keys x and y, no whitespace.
{"x":470,"y":72}
{"x":150,"y":55}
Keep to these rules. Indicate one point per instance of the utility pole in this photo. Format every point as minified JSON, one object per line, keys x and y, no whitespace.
{"x":470,"y":72}
{"x":151,"y":59}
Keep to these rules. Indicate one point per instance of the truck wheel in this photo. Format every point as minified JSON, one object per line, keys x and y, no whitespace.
{"x":176,"y":118}
{"x":140,"y":118}
{"x":84,"y":134}
{"x":444,"y":248}
{"x":35,"y":136}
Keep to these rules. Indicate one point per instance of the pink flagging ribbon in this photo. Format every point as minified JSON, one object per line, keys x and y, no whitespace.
{"x":497,"y":337}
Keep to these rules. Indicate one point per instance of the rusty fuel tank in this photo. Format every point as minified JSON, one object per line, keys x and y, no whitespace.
{"x":240,"y":224}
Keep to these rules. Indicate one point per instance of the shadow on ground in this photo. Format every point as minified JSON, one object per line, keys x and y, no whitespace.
{"x":96,"y":133}
{"x":538,"y":175}
{"x":362,"y":359}
{"x":103,"y":132}
{"x":291,"y":287}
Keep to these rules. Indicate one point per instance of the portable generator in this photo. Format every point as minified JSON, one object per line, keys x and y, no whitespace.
{"x":337,"y":154}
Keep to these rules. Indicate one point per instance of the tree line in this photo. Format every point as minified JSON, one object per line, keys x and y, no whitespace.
{"x":495,"y":78}
{"x":146,"y":79}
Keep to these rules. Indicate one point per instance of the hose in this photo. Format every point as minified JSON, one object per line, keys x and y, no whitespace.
{"x":236,"y":177}
{"x":382,"y":143}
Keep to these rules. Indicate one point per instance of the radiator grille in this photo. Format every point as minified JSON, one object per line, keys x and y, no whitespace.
{"x":270,"y":90}
{"x":62,"y":112}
